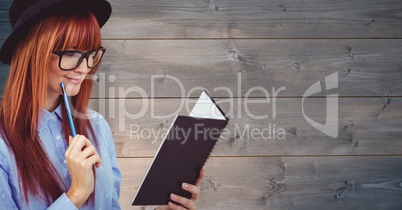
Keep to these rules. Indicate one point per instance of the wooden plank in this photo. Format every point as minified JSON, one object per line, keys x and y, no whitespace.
{"x":255,"y":19}
{"x":173,"y":68}
{"x":4,"y":70}
{"x":366,"y":126}
{"x":5,"y":26}
{"x":287,"y":182}
{"x":252,"y":19}
{"x":5,"y":5}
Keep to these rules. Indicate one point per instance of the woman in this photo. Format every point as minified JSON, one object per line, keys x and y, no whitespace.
{"x":41,"y":165}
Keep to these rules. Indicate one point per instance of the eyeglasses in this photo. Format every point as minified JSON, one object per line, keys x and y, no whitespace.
{"x":70,"y":59}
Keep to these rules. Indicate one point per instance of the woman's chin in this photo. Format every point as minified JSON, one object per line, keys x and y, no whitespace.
{"x":73,"y":90}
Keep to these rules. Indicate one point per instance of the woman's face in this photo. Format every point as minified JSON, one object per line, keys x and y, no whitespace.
{"x":72,"y":79}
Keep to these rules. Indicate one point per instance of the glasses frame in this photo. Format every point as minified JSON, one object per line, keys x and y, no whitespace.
{"x":83,"y":55}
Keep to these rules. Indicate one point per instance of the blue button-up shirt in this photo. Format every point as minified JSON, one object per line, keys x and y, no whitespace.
{"x":108,"y":177}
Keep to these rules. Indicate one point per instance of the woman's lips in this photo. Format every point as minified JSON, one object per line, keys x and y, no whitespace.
{"x":74,"y":81}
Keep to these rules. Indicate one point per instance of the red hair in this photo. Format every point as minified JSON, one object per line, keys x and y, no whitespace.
{"x":26,"y":94}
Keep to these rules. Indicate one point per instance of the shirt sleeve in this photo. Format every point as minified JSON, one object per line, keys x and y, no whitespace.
{"x":9,"y":194}
{"x":113,"y":159}
{"x":6,"y":194}
{"x":62,"y":203}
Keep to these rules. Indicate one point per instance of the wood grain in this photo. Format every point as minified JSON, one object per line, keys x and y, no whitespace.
{"x":352,"y":182}
{"x":255,"y":19}
{"x":366,"y":126}
{"x":160,"y":54}
{"x":249,"y":19}
{"x":236,"y":67}
{"x":174,"y":68}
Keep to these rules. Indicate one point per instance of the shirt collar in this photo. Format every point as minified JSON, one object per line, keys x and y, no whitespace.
{"x":45,"y":116}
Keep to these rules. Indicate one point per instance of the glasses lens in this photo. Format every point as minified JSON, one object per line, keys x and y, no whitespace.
{"x":69,"y":60}
{"x":94,"y":58}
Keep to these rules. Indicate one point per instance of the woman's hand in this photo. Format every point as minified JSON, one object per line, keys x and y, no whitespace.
{"x":185,"y":202}
{"x":81,"y":155}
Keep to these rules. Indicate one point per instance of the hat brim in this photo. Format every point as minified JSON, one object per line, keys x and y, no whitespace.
{"x":100,"y":8}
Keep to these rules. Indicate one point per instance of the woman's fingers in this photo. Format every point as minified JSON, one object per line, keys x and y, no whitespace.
{"x":77,"y":143}
{"x":94,"y":160}
{"x":90,"y":152}
{"x":185,"y":202}
{"x":175,"y":207}
{"x":194,"y":190}
{"x":200,"y":178}
{"x":81,"y":156}
{"x":81,"y":149}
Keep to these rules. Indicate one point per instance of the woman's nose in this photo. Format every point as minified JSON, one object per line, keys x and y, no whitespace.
{"x":83,"y":67}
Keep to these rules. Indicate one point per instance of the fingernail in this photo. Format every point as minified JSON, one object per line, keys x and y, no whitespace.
{"x":173,"y":196}
{"x":185,"y":186}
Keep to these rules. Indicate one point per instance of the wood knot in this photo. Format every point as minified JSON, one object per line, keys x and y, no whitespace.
{"x":214,"y":6}
{"x":283,"y":8}
{"x":284,"y":168}
{"x":295,"y":131}
{"x":347,"y":71}
{"x":164,"y":76}
{"x":338,"y":195}
{"x":233,"y":55}
{"x":95,"y":79}
{"x":355,"y":142}
{"x":351,"y":53}
{"x":349,"y":185}
{"x":266,"y":198}
{"x":208,"y":184}
{"x":299,"y":132}
{"x":274,"y":188}
{"x":163,"y":123}
{"x":349,"y":125}
{"x":296,"y":66}
{"x":387,"y":103}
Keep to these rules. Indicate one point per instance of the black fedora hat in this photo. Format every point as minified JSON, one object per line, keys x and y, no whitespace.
{"x":25,"y":14}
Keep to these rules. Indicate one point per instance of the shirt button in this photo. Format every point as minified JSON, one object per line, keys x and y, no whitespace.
{"x":58,"y":137}
{"x":65,"y":161}
{"x":52,"y":116}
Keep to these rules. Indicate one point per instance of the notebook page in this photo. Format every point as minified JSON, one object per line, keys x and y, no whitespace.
{"x":206,"y":108}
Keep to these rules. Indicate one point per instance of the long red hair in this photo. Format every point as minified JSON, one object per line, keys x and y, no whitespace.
{"x":26,"y":93}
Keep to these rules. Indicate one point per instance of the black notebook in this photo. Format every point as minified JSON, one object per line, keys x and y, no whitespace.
{"x":182,"y":153}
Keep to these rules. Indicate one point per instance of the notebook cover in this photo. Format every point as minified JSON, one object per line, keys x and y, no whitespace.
{"x":179,"y":159}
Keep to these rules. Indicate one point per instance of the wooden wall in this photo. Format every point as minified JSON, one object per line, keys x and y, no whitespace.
{"x":159,"y":51}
